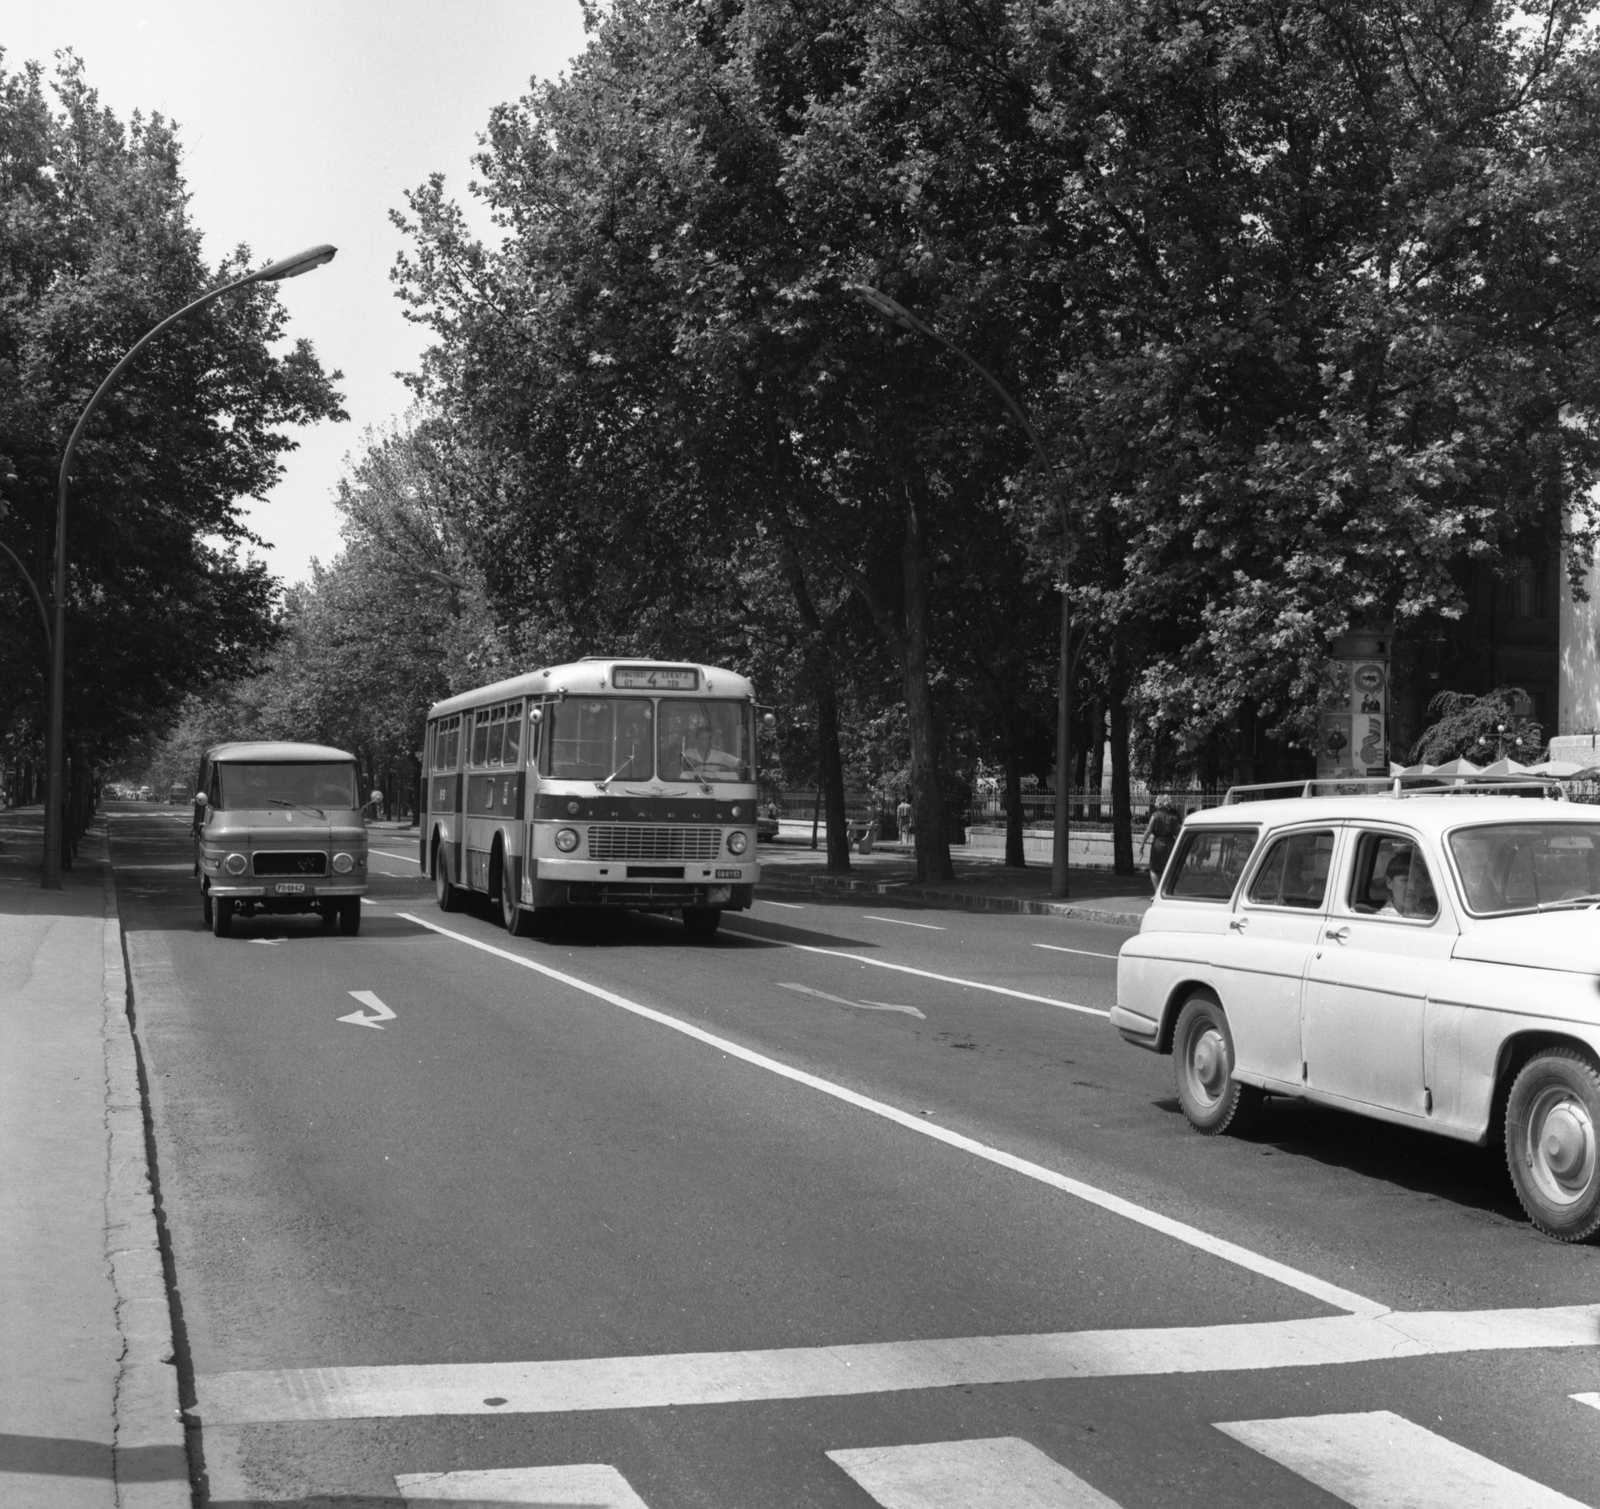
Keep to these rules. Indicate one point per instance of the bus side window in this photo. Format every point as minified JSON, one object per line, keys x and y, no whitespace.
{"x":497,"y":736}
{"x":480,"y":738}
{"x":513,"y":734}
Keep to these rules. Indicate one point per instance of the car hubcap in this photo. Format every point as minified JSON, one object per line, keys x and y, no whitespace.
{"x":1208,"y":1062}
{"x":1561,"y":1146}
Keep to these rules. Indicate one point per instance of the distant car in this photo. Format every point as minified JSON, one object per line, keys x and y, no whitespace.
{"x":147,"y":794}
{"x":766,"y":826}
{"x":1427,"y":959}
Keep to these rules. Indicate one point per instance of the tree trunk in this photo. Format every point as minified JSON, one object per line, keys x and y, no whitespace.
{"x":1016,"y":856}
{"x":820,"y":679}
{"x":933,"y":844}
{"x":1121,"y":786}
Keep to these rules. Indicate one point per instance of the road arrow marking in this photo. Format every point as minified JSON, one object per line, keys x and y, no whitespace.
{"x":360,"y":1019}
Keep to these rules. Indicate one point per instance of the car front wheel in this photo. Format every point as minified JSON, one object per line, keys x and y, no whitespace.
{"x":1202,"y":1056}
{"x":1552,"y":1144}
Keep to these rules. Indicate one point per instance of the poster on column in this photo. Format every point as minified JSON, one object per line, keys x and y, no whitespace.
{"x":1353,"y":721}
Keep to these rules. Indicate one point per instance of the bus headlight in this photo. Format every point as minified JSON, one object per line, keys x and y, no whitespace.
{"x":566,"y":839}
{"x":737,"y":843}
{"x":343,"y":864}
{"x":235,"y":864}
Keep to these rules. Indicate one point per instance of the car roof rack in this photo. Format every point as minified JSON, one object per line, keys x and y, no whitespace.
{"x":1396,"y":786}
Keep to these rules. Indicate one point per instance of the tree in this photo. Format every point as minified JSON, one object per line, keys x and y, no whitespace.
{"x":96,"y":246}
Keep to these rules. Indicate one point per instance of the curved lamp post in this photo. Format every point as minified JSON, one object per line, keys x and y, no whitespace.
{"x":898,"y":314}
{"x":289,"y":267}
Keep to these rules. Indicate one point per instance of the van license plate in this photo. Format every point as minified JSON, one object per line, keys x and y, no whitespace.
{"x":289,"y":887}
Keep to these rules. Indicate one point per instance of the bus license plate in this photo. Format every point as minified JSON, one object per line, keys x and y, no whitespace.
{"x":729,"y":874}
{"x":289,"y":887}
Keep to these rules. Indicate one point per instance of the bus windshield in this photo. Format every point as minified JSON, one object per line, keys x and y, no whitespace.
{"x":600,"y":739}
{"x":323,"y":785}
{"x":699,"y":740}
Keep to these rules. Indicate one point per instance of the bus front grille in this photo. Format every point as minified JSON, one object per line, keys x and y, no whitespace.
{"x":639,"y":841}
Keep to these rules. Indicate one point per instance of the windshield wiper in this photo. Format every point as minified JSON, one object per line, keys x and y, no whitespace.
{"x":697,"y":768}
{"x":1588,"y":900}
{"x":615,"y":773}
{"x":278,"y":801}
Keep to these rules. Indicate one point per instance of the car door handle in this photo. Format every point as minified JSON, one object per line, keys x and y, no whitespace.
{"x":1239,"y":924}
{"x":1338,"y":934}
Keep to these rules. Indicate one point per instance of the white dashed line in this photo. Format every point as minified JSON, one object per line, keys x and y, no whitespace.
{"x":1056,"y":948}
{"x":900,"y":922}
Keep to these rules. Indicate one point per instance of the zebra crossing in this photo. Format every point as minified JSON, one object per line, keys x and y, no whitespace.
{"x":1371,"y":1460}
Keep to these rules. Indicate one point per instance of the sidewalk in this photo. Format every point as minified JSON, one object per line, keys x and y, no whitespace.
{"x":982,"y":883}
{"x":88,"y":1390}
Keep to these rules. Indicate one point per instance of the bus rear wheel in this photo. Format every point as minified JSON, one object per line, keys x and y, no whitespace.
{"x":700,"y":922}
{"x":445,"y":892}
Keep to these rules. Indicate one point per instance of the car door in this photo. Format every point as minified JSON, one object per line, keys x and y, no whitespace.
{"x":1364,"y":1018}
{"x":1272,"y":933}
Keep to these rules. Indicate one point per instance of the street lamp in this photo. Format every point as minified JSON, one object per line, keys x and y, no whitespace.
{"x":288,"y":267}
{"x":898,"y":314}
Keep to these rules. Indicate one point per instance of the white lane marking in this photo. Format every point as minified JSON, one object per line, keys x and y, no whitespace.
{"x":906,"y":969}
{"x":1228,"y":1252}
{"x":267,"y":942}
{"x":1380,"y":1460}
{"x":590,"y":1484}
{"x":901,"y":922}
{"x":381,"y":1013}
{"x":823,"y":995}
{"x":1056,"y":948}
{"x":410,"y":859}
{"x":977,"y":1474}
{"x":788,"y":906}
{"x":1592,"y":1400}
{"x":650,"y":1382}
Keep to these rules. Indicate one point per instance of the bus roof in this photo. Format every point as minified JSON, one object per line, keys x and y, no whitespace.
{"x":595,"y":674}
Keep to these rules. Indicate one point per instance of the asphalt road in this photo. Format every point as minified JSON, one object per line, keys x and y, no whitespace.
{"x":604,"y":1213}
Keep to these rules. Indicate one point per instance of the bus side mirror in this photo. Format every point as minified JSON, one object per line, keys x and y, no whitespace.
{"x":375,"y":799}
{"x":768,"y":721}
{"x":536,"y":715}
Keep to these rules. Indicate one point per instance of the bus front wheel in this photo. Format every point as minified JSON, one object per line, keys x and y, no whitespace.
{"x":700,"y":922}
{"x":517,"y":922}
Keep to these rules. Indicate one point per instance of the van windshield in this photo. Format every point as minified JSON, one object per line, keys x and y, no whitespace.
{"x":322,"y":784}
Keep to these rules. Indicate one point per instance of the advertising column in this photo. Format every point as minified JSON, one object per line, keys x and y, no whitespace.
{"x":1353,"y":722}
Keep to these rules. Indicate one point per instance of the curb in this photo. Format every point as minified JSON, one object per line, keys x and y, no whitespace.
{"x":957,"y":900}
{"x":149,"y":1456}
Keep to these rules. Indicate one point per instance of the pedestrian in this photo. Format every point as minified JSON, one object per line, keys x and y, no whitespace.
{"x":902,"y":819}
{"x":1160,"y":833}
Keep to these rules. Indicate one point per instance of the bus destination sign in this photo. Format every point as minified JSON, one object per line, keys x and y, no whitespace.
{"x":659,"y":678}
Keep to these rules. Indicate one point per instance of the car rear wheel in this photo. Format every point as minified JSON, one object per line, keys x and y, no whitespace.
{"x":1202,"y":1057}
{"x":445,"y":891}
{"x":1553,"y":1145}
{"x":222,"y":916}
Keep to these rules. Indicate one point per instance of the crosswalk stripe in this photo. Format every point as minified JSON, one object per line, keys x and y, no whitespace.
{"x":1380,"y":1460}
{"x":686,"y":1378}
{"x":592,"y":1485}
{"x":976,"y":1474}
{"x":1592,"y":1400}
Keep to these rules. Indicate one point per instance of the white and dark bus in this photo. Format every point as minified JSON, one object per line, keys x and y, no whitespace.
{"x":620,"y":783}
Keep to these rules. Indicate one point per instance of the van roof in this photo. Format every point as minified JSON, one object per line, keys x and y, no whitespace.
{"x":274,"y":751}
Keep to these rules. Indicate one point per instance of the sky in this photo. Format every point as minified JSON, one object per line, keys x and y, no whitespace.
{"x":302,"y":122}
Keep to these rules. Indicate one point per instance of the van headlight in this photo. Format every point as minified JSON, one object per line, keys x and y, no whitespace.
{"x":343,"y":864}
{"x":235,"y":864}
{"x":566,"y":839}
{"x":737,"y":843}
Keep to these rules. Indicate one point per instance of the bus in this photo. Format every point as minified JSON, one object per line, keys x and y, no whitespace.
{"x":603,"y":783}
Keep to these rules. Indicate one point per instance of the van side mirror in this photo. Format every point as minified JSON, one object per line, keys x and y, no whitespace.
{"x":201,"y":800}
{"x":375,"y":799}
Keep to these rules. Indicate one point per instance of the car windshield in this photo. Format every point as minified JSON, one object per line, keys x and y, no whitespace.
{"x":601,"y":739}
{"x":323,"y":784}
{"x":700,"y":740}
{"x":1519,"y":867}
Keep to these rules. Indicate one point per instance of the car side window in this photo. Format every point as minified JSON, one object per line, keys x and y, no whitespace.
{"x":1294,"y":871}
{"x":1209,"y":863}
{"x":1390,"y":878}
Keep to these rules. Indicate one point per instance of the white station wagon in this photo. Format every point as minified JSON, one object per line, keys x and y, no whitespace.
{"x":1426,"y":958}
